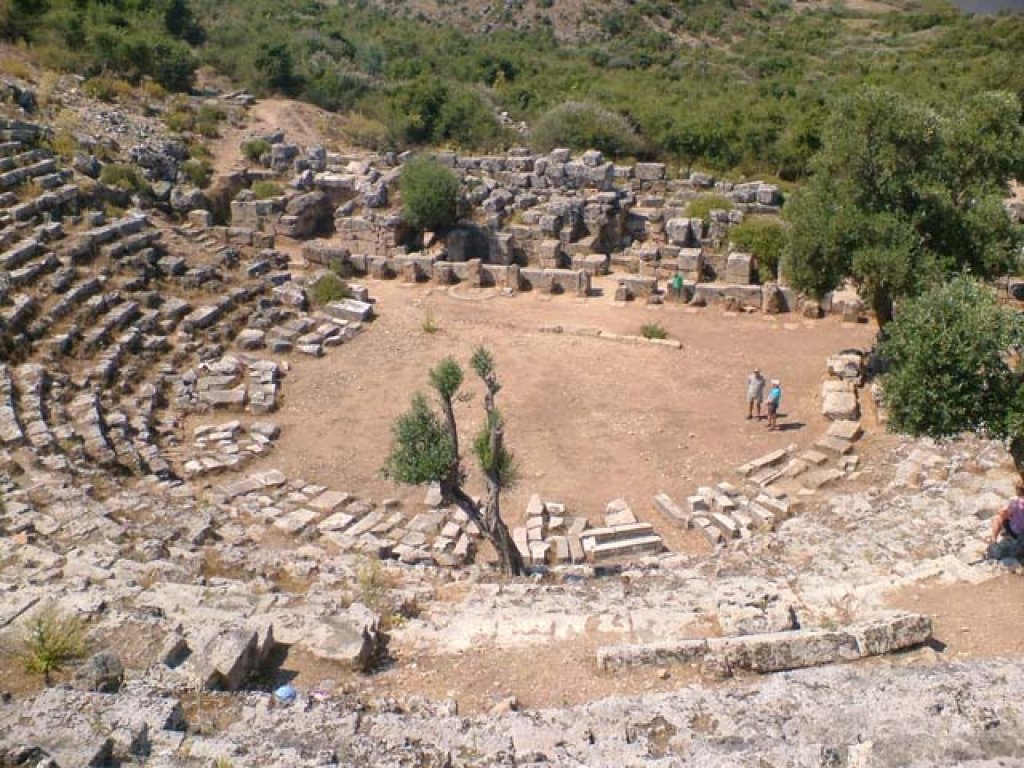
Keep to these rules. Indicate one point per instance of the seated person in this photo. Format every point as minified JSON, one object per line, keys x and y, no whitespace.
{"x":1010,"y":521}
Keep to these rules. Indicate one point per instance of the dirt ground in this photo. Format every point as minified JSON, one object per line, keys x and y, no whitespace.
{"x":972,"y":620}
{"x":589,"y":419}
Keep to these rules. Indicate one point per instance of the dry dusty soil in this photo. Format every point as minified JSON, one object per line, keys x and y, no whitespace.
{"x":589,"y":419}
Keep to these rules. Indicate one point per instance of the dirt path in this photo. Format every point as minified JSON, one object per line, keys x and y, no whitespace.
{"x":299,"y":121}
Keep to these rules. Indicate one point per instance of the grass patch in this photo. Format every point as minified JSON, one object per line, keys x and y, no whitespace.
{"x":653,"y":331}
{"x":51,"y":639}
{"x":106,"y":88}
{"x":702,"y":206}
{"x":327,"y":288}
{"x":264,"y":190}
{"x":429,"y":324}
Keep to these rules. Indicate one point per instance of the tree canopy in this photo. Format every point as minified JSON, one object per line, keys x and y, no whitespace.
{"x":951,"y":364}
{"x":903,"y":193}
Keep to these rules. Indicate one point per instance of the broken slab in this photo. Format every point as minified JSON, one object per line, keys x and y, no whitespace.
{"x":228,"y":659}
{"x":768,"y":460}
{"x":664,"y":504}
{"x":845,"y":430}
{"x":778,"y":651}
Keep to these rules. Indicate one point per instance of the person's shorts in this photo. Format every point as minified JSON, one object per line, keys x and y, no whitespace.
{"x":773,"y":408}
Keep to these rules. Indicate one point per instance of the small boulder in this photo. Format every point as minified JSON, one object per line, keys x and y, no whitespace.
{"x":103,"y":673}
{"x":812,"y":309}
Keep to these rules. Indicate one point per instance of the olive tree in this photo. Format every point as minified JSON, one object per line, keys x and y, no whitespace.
{"x":951,"y":365}
{"x":425,"y":449}
{"x":903,"y":193}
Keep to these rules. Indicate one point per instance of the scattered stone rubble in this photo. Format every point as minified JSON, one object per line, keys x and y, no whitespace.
{"x":549,"y":223}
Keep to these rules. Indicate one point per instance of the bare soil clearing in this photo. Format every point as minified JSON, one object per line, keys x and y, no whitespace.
{"x":972,"y":620}
{"x":590,"y":420}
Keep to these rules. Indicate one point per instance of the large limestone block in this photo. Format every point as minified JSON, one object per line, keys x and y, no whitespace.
{"x":229,"y":658}
{"x":840,"y":405}
{"x":351,"y":638}
{"x":739,"y":268}
{"x":678,"y":231}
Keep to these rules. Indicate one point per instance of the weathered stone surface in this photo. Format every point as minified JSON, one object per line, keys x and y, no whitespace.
{"x":102,"y":673}
{"x":351,"y":637}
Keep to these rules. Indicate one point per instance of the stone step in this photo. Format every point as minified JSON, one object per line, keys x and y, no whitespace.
{"x":845,"y":430}
{"x":819,"y":478}
{"x":781,"y":508}
{"x":762,"y":518}
{"x":816,"y":458}
{"x":726,"y":524}
{"x":834,"y":446}
{"x":598,"y":536}
{"x":628,"y":546}
{"x":664,"y":504}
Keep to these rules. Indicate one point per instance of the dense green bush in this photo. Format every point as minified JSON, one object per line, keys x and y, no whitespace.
{"x":254,"y":149}
{"x":763,"y":236}
{"x":198,"y":172}
{"x":947,"y":364}
{"x":328,"y":287}
{"x":430,"y":194}
{"x":585,"y":126}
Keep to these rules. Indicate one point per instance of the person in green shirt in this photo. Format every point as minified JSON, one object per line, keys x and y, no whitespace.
{"x":676,"y":286}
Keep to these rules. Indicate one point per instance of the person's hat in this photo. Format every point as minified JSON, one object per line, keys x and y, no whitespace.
{"x":775,"y":382}
{"x":757,"y":370}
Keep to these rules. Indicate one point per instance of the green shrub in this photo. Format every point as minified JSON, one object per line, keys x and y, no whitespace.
{"x":264,"y":190}
{"x":430,"y":194}
{"x":585,"y":126}
{"x":702,"y":206}
{"x":254,"y":149}
{"x":126,"y":177}
{"x":367,"y":133}
{"x":328,"y":287}
{"x":179,"y":120}
{"x":763,"y":236}
{"x":198,"y":172}
{"x":653,"y":331}
{"x":64,"y":143}
{"x":209,"y":119}
{"x":211,"y":113}
{"x":50,"y":639}
{"x":106,"y":88}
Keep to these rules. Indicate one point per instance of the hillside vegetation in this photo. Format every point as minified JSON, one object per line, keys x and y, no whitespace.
{"x":723,"y":85}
